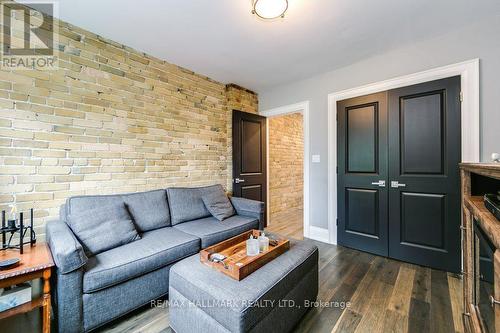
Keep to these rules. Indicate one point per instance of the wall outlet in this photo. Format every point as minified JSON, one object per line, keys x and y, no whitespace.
{"x":316,"y":158}
{"x":495,"y":157}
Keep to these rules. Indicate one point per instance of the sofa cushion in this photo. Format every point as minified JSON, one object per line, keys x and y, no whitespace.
{"x":154,"y":250}
{"x":149,"y":209}
{"x":211,"y":231}
{"x":218,"y":205}
{"x":103,"y":227}
{"x":186,"y":203}
{"x":81,"y":204}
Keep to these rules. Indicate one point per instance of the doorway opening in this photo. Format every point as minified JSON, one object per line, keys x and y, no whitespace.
{"x":286,"y":173}
{"x":307,"y":230}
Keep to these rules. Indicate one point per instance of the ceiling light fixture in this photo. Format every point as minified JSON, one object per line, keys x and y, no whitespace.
{"x":269,"y":9}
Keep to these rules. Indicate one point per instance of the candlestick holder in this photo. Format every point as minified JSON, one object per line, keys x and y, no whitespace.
{"x":11,"y":227}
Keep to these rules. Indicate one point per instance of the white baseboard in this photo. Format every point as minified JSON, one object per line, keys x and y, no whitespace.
{"x":319,"y":234}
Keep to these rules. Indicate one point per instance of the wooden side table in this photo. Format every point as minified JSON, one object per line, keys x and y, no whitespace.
{"x":36,"y":263}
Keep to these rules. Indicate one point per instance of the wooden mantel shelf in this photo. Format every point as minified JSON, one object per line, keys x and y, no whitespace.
{"x":486,"y":220}
{"x":485,"y":169}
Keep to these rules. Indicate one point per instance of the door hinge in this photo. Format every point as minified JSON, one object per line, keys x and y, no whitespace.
{"x":337,"y":169}
{"x":337,"y":222}
{"x":461,"y":96}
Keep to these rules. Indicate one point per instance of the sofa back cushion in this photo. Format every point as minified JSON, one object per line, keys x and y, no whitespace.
{"x":186,"y":204}
{"x":149,"y":209}
{"x":81,"y":204}
{"x":103,"y":227}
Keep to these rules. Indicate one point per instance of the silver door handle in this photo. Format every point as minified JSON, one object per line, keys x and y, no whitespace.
{"x":396,"y":184}
{"x":237,"y":180}
{"x":380,"y":183}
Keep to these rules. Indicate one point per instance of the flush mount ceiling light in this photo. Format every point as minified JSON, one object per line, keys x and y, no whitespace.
{"x":269,"y":9}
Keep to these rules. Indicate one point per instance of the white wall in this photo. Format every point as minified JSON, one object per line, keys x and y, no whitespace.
{"x":480,"y":40}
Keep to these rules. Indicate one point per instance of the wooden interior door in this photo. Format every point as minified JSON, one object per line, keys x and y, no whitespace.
{"x":249,"y":156}
{"x":424,"y":180}
{"x":362,"y":173}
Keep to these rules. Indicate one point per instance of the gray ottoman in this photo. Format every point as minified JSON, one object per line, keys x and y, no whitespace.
{"x":272,"y":299}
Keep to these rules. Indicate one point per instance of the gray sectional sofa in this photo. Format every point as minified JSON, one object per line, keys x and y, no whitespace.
{"x":94,"y":287}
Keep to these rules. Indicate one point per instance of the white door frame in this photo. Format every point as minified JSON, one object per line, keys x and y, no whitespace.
{"x":469,"y":74}
{"x":301,"y":107}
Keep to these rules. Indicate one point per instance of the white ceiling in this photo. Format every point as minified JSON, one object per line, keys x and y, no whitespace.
{"x":223,"y":40}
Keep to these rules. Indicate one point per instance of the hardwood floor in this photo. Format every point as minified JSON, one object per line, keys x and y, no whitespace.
{"x":288,"y":223}
{"x":384,"y":295}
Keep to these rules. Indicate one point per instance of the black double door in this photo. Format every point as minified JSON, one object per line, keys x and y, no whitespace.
{"x":398,"y":176}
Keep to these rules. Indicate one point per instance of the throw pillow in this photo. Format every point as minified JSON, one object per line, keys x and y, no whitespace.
{"x":103,"y":228}
{"x":218,"y":205}
{"x":149,"y":209}
{"x":186,"y":203}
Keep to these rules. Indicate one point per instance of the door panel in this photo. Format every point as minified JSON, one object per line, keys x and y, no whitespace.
{"x":424,"y":152}
{"x":362,"y":129}
{"x":362,"y":160}
{"x":253,"y":192}
{"x":362,"y":212}
{"x":423,"y":227}
{"x":421,"y":126}
{"x":249,"y":156}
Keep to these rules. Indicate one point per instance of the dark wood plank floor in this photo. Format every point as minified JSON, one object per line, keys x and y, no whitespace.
{"x":384,"y":295}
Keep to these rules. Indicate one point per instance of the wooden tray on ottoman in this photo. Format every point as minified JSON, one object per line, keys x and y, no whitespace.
{"x":237,"y":264}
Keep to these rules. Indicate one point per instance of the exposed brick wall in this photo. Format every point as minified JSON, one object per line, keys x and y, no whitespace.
{"x":286,"y":163}
{"x":242,"y":99}
{"x":110,"y":120}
